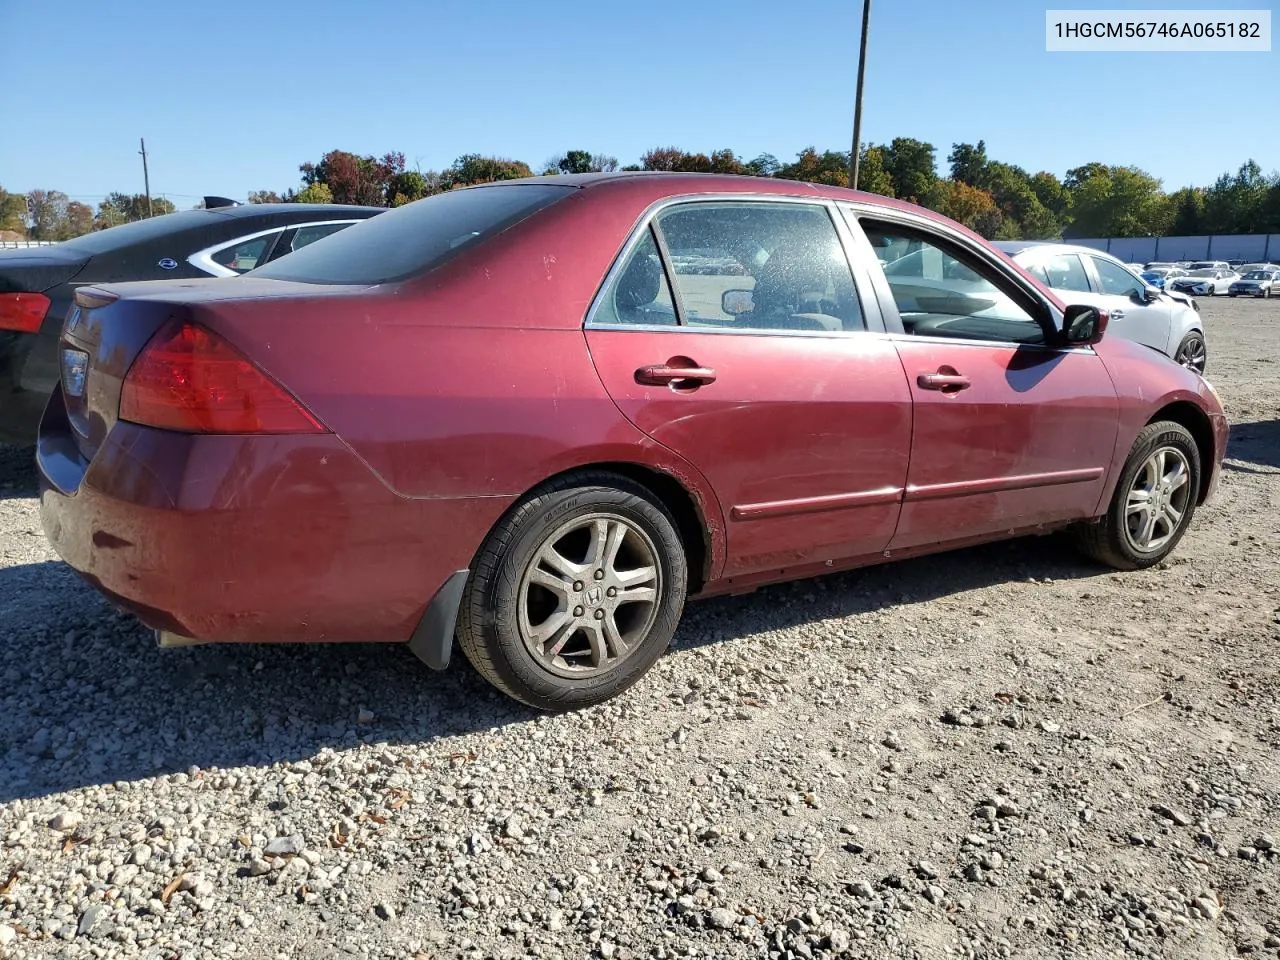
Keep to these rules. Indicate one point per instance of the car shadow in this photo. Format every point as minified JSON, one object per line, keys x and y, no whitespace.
{"x":89,"y":699}
{"x":1253,"y":445}
{"x":17,"y":471}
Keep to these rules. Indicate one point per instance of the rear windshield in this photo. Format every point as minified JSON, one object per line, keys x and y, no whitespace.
{"x":140,"y":231}
{"x":415,"y":238}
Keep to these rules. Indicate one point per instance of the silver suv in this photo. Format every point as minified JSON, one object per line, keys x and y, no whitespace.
{"x":1168,"y":322}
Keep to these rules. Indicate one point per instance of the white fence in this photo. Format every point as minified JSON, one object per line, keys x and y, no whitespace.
{"x":1258,"y":247}
{"x":23,"y":244}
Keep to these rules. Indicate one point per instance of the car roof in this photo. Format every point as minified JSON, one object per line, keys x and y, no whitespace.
{"x":659,"y":184}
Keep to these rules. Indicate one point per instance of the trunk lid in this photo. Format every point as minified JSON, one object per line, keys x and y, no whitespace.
{"x":38,"y":269}
{"x":109,"y":325}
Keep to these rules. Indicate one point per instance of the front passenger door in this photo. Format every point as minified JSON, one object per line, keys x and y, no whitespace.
{"x":1010,"y":430}
{"x":1122,"y":295}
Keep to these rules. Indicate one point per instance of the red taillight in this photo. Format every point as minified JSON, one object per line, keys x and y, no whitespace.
{"x":190,"y":379}
{"x":23,"y":312}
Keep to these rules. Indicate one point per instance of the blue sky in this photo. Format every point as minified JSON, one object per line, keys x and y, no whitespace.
{"x":232,"y":97}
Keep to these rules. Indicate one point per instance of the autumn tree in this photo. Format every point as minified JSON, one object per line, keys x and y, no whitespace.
{"x":675,"y":160}
{"x":317,"y":192}
{"x":48,"y":210}
{"x":264,"y":196}
{"x":79,"y":219}
{"x":966,"y":204}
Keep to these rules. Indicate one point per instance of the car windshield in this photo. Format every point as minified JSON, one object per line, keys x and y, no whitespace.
{"x":413,"y":239}
{"x":1206,"y":272}
{"x":1257,"y":275}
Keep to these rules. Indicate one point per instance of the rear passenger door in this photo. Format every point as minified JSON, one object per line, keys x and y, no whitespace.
{"x":734,"y":332}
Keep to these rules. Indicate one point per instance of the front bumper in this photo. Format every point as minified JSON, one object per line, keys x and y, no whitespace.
{"x":250,"y":539}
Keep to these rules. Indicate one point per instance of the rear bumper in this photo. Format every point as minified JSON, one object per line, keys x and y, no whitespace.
{"x":250,"y":539}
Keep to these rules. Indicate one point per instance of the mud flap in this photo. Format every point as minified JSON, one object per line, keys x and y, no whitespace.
{"x":432,"y":641}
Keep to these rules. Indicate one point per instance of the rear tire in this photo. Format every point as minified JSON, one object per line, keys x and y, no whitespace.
{"x":1153,"y":502}
{"x":575,"y":593}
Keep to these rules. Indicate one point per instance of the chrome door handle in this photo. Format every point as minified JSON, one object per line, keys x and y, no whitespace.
{"x":1117,"y":314}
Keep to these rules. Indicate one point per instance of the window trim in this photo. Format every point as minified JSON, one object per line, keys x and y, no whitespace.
{"x":873,"y":321}
{"x":203,"y":259}
{"x":1051,"y":321}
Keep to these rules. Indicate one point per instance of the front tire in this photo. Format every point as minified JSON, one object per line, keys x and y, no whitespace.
{"x":1192,"y":352}
{"x":1153,"y":502}
{"x":575,"y":593}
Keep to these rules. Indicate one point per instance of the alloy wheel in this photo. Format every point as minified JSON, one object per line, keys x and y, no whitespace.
{"x":589,"y":595}
{"x":1158,"y":499}
{"x":1192,"y":355}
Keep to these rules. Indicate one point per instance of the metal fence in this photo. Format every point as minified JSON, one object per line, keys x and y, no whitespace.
{"x":1258,"y":247}
{"x":22,"y":244}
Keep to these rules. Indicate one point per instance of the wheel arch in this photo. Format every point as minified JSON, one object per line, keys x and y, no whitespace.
{"x":681,"y":502}
{"x":1196,"y":421}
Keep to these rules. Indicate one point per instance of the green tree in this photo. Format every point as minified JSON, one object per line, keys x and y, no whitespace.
{"x":582,"y":161}
{"x":873,"y":172}
{"x":317,"y":192}
{"x":264,"y":196}
{"x":1188,"y":212}
{"x":408,"y":186}
{"x":829,"y":167}
{"x":13,"y":212}
{"x":1116,"y":202}
{"x":120,"y":208}
{"x":471,"y":168}
{"x":1234,"y":203}
{"x":765,"y":165}
{"x":911,"y":168}
{"x":969,"y":164}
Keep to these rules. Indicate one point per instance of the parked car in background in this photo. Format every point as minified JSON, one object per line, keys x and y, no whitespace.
{"x":537,"y":415}
{"x":1136,"y":267}
{"x":1204,"y":281}
{"x":1259,"y":266}
{"x":1137,"y":310}
{"x":1256,"y":283}
{"x":37,"y":285}
{"x":1159,"y":276}
{"x":1208,"y":265}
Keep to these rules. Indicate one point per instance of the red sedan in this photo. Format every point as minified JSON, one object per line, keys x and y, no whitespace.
{"x":536,"y":416}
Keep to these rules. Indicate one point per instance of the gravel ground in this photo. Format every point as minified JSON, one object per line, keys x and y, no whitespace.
{"x":1001,"y":752}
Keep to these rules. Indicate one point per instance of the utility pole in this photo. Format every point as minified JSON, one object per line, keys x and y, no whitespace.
{"x":854,"y":157}
{"x":146,"y":178}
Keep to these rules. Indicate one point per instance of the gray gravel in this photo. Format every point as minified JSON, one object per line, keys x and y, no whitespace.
{"x":1003,"y":752}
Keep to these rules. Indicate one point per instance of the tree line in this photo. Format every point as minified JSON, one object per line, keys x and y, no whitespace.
{"x":998,"y":200}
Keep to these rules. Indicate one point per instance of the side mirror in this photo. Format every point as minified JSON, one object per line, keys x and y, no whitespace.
{"x":1150,"y":294}
{"x":736,"y":302}
{"x":1083,"y":325}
